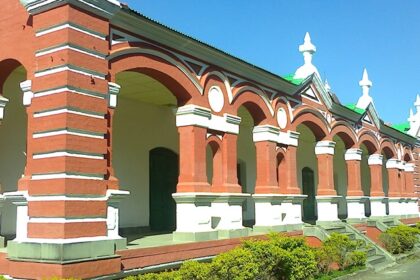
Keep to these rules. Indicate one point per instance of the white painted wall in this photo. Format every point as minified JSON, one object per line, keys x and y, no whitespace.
{"x":340,"y":175}
{"x":247,"y":160}
{"x":12,"y":145}
{"x":365,"y":173}
{"x":306,"y":154}
{"x":138,"y":128}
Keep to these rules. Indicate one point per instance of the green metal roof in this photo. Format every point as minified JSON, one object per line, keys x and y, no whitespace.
{"x":290,"y":78}
{"x":403,"y":127}
{"x":353,"y":107}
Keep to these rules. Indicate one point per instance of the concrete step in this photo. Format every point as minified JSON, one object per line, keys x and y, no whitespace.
{"x":338,"y":229}
{"x":370,"y":251}
{"x":376,"y":259}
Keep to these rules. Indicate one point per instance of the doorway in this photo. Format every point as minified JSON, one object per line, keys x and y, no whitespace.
{"x":164,"y":171}
{"x":308,"y":186}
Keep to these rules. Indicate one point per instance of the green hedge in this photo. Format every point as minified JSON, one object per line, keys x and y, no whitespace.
{"x":400,"y":239}
{"x":278,"y":257}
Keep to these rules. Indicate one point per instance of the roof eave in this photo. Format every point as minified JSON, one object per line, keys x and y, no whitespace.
{"x":136,"y":23}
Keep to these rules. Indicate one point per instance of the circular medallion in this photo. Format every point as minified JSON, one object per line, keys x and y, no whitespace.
{"x":216,"y":99}
{"x":282,"y":118}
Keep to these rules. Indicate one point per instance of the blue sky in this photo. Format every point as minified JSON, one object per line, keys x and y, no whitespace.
{"x":381,"y":35}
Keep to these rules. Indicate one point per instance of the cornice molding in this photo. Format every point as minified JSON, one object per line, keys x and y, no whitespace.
{"x":104,"y":8}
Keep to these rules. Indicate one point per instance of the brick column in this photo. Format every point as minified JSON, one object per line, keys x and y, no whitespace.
{"x":355,"y":198}
{"x":394,"y":175}
{"x":229,"y":164}
{"x":354,"y":180}
{"x":265,"y":138}
{"x":324,"y":151}
{"x":375,"y":165}
{"x":411,"y":197}
{"x":327,"y":199}
{"x":377,"y":195}
{"x":396,"y":207}
{"x":67,"y":170}
{"x":192,"y":159}
{"x":292,"y":186}
{"x":409,"y":180}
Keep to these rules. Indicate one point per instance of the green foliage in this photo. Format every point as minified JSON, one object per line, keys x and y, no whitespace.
{"x":194,"y":270}
{"x":2,"y":277}
{"x":237,"y":264}
{"x":340,"y":249}
{"x":277,"y":258}
{"x":400,"y":239}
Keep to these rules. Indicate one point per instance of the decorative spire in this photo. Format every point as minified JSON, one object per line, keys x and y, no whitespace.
{"x":365,"y":84}
{"x":411,"y":118}
{"x":307,"y":49}
{"x":327,"y":85}
{"x":417,"y":103}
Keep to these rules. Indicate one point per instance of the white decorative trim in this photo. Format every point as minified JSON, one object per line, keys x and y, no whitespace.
{"x":37,"y":135}
{"x":199,"y":116}
{"x":393,"y":163}
{"x":66,"y":111}
{"x":64,"y":68}
{"x":290,"y":138}
{"x":266,"y":133}
{"x":67,"y":47}
{"x":375,"y":159}
{"x":26,"y":88}
{"x":113,"y":90}
{"x":409,"y":167}
{"x":65,"y":220}
{"x":67,"y":89}
{"x":66,"y":198}
{"x":353,"y":154}
{"x":325,"y":148}
{"x":216,"y":98}
{"x":66,"y":154}
{"x":37,"y":177}
{"x":70,"y":26}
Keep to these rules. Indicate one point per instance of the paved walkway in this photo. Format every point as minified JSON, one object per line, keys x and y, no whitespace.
{"x":410,"y":270}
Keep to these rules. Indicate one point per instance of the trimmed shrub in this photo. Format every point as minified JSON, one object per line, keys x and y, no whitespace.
{"x":237,"y":264}
{"x":277,"y":258}
{"x":340,"y":247}
{"x":400,"y":239}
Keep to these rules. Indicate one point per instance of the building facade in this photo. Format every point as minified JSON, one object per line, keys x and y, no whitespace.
{"x":114,"y":124}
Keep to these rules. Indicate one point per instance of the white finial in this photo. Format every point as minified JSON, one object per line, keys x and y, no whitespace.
{"x":307,"y":49}
{"x":327,"y":85}
{"x":411,"y":118}
{"x":417,"y":103}
{"x":366,"y":84}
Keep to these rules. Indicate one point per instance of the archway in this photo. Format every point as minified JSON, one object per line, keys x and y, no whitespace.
{"x":307,"y":168}
{"x":145,"y":139}
{"x":163,"y":176}
{"x":246,"y":164}
{"x":340,"y":175}
{"x":365,"y":177}
{"x":13,"y":131}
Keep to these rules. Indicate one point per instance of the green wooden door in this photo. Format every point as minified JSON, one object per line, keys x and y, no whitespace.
{"x":308,"y":185}
{"x":164,"y":171}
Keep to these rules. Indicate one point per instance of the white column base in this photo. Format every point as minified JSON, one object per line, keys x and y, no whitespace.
{"x":207,"y":216}
{"x":327,"y":207}
{"x":396,"y":206}
{"x":277,"y":210}
{"x":356,"y":207}
{"x":114,"y":198}
{"x":378,"y":206}
{"x":412,"y":207}
{"x":193,"y":212}
{"x":20,"y":199}
{"x":227,"y":211}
